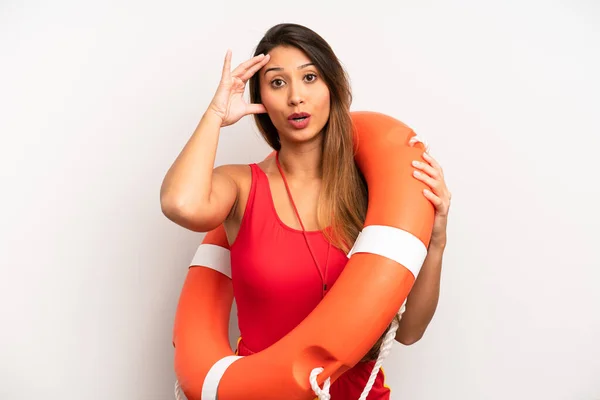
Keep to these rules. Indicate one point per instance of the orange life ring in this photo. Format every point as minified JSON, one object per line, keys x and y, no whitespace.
{"x":379,"y":275}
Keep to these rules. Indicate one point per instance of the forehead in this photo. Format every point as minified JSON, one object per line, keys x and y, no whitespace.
{"x":287,"y":58}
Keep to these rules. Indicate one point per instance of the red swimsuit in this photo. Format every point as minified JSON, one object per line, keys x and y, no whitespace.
{"x":276,"y":283}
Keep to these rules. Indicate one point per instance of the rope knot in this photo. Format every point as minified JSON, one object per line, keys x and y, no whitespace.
{"x":322,"y":394}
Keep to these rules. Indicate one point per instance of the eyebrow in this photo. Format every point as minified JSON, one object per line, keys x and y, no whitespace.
{"x":281,"y":69}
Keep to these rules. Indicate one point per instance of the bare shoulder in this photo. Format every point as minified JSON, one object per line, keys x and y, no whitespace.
{"x":241,"y":176}
{"x":267,"y":165}
{"x":237,"y":172}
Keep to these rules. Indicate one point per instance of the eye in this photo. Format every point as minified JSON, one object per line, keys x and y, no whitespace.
{"x":313,"y":77}
{"x":277,"y":83}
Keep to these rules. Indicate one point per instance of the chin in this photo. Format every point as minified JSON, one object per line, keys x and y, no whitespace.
{"x":303,"y":136}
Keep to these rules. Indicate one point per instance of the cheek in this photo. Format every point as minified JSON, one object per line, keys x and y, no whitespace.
{"x":264,"y":92}
{"x":272,"y":103}
{"x":325,"y":100}
{"x":270,"y":100}
{"x":266,"y":99}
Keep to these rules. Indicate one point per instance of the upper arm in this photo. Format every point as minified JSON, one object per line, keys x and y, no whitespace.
{"x":225,"y":191}
{"x":221,"y":203}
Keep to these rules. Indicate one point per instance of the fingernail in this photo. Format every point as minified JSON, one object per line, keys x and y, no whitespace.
{"x":416,"y":173}
{"x":416,"y":163}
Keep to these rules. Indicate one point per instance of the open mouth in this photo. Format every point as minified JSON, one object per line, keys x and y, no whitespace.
{"x":299,"y":121}
{"x":298,"y":116}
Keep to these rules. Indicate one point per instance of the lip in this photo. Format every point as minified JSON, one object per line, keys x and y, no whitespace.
{"x":298,"y":115}
{"x":299,"y":124}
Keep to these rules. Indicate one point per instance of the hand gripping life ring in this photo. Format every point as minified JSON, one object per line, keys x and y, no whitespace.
{"x":384,"y":263}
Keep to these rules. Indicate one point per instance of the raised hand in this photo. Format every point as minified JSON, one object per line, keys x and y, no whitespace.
{"x":228,"y":103}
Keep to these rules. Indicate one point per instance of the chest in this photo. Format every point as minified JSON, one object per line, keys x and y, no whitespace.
{"x":304,"y":196}
{"x":285,"y":267}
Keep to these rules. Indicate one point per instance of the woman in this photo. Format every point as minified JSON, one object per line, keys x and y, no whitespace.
{"x":292,"y":218}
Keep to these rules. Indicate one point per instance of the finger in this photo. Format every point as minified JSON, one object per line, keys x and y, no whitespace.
{"x":256,"y":67}
{"x":255,"y":109}
{"x":441,"y":207}
{"x":435,"y":200}
{"x":429,"y":181}
{"x":243,"y":67}
{"x":247,"y":64}
{"x":433,"y":162}
{"x":227,"y":66}
{"x":434,"y":173}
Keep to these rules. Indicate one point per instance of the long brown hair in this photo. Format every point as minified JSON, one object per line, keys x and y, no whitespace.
{"x":343,"y":197}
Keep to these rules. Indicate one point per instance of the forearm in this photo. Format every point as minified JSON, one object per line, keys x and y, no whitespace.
{"x":423,"y":299}
{"x":188,"y":181}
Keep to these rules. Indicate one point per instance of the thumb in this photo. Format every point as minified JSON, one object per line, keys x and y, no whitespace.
{"x":255,"y":109}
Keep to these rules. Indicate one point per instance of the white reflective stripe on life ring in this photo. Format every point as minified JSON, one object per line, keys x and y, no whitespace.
{"x":213,"y":378}
{"x":214,"y":257}
{"x":393,"y":243}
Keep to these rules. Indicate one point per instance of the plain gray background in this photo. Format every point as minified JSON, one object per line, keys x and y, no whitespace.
{"x":98,"y":98}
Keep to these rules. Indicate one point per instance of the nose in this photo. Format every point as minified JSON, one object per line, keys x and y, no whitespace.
{"x":295,"y":95}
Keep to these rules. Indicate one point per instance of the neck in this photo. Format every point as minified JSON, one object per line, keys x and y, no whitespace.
{"x":302,"y":162}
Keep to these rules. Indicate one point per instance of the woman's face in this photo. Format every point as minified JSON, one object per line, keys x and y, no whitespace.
{"x":294,"y":94}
